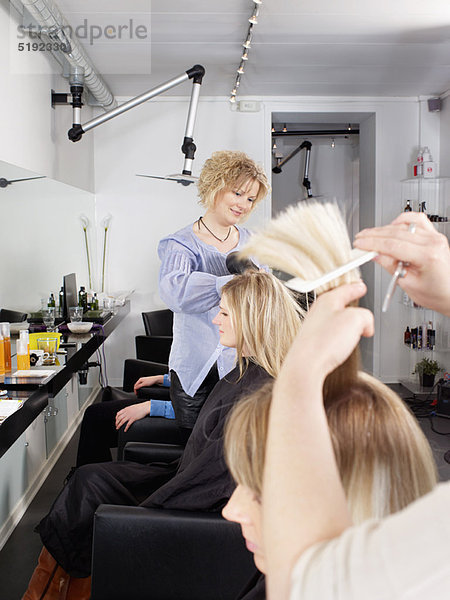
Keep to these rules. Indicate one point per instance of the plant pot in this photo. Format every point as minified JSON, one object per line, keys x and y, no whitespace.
{"x":426,"y":380}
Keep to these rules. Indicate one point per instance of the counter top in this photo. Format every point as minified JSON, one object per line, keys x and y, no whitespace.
{"x":36,"y":392}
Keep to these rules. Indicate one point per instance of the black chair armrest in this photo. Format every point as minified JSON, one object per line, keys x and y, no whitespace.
{"x":150,"y":429}
{"x":134,"y":369}
{"x":153,"y":347}
{"x":144,"y":453}
{"x":153,"y":554}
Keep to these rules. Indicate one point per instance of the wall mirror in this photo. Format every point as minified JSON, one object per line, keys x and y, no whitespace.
{"x":41,"y":238}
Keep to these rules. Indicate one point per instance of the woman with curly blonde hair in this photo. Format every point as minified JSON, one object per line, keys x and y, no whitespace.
{"x":193,"y":270}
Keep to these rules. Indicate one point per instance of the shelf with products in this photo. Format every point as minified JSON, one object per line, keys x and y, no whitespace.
{"x":430,"y":195}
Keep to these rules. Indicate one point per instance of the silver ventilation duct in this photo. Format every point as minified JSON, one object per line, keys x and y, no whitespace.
{"x":52,"y":22}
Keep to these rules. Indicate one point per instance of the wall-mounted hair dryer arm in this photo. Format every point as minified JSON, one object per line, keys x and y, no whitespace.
{"x":304,"y":144}
{"x":196,"y":73}
{"x":188,"y":148}
{"x":306,"y":182}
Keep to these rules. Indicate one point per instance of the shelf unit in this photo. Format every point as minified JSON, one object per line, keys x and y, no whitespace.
{"x":435,"y":193}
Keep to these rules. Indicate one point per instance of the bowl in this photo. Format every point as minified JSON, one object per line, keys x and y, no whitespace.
{"x":79,"y":327}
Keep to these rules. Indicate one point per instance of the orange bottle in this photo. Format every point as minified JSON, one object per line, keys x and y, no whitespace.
{"x":2,"y":355}
{"x":23,"y":357}
{"x":5,"y":330}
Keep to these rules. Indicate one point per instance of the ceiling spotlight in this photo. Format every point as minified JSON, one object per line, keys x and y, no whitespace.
{"x":253,"y":20}
{"x":349,"y":127}
{"x":274,"y":147}
{"x":333,"y":143}
{"x":284,"y":128}
{"x":247,"y":43}
{"x":241,"y":69}
{"x":232,"y":99}
{"x":245,"y":56}
{"x":237,"y":83}
{"x":273,"y":129}
{"x":257,"y":1}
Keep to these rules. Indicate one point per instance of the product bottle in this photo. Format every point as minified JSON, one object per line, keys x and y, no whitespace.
{"x":431,"y":337}
{"x":418,"y":165}
{"x":61,"y":299}
{"x":407,"y":337}
{"x":51,"y":301}
{"x":424,"y":336}
{"x":408,"y":206}
{"x":82,"y":298}
{"x":2,"y":355}
{"x":23,"y":358}
{"x":419,"y":337}
{"x":24,"y":335}
{"x":429,"y":167}
{"x":6,"y":335}
{"x":95,"y":302}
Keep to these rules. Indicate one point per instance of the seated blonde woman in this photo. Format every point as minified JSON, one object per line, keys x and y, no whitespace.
{"x":384,"y":459}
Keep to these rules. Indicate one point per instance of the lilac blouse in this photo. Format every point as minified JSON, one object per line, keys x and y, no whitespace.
{"x":190,"y":279}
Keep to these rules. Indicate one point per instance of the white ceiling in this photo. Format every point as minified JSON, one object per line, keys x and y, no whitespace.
{"x":320,"y":47}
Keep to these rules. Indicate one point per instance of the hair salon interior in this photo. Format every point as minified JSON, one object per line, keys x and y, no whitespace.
{"x":366,"y":86}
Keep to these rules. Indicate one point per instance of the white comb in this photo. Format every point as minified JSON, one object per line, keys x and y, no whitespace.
{"x":359,"y":257}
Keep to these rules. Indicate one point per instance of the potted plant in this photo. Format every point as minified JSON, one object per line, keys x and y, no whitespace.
{"x":427,"y":370}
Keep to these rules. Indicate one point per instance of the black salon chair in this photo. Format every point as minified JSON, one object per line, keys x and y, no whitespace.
{"x":154,"y":554}
{"x":158,"y":322}
{"x":155,"y":429}
{"x":156,"y":343}
{"x":152,"y":356}
{"x":12,"y":316}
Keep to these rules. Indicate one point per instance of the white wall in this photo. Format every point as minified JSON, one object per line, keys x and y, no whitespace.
{"x":34,"y":135}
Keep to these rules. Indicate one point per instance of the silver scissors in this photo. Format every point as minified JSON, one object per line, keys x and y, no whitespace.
{"x":400,"y":271}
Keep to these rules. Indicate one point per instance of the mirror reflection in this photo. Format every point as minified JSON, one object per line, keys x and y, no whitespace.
{"x":42,"y":237}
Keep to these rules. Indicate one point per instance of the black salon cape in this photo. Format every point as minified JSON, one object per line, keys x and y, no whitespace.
{"x":255,"y":589}
{"x":198,"y":481}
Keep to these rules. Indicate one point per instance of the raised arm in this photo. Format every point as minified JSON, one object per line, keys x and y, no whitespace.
{"x":182,"y":286}
{"x":303,"y":498}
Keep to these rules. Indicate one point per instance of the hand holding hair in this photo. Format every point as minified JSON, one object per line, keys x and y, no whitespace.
{"x":330,"y":332}
{"x":427,"y":251}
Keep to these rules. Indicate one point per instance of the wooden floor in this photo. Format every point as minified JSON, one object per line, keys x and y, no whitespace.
{"x":19,"y":556}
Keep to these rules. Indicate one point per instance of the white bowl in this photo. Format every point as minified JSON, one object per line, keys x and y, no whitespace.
{"x":79,"y":327}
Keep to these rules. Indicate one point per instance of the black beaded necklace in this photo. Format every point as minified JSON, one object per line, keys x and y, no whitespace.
{"x":200,"y":220}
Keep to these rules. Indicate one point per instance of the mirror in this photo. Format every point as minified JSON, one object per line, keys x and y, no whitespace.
{"x":41,"y":238}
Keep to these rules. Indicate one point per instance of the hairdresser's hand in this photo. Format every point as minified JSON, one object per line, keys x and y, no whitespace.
{"x":330,"y":331}
{"x":148,"y":381}
{"x":427,"y":279}
{"x":132,"y":413}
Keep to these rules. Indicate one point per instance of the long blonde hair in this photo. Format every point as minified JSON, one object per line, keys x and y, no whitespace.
{"x":265,"y":319}
{"x":308,"y":240}
{"x":384,"y":459}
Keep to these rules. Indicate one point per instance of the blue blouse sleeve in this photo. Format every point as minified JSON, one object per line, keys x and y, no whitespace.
{"x":183,"y":288}
{"x":162,"y":408}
